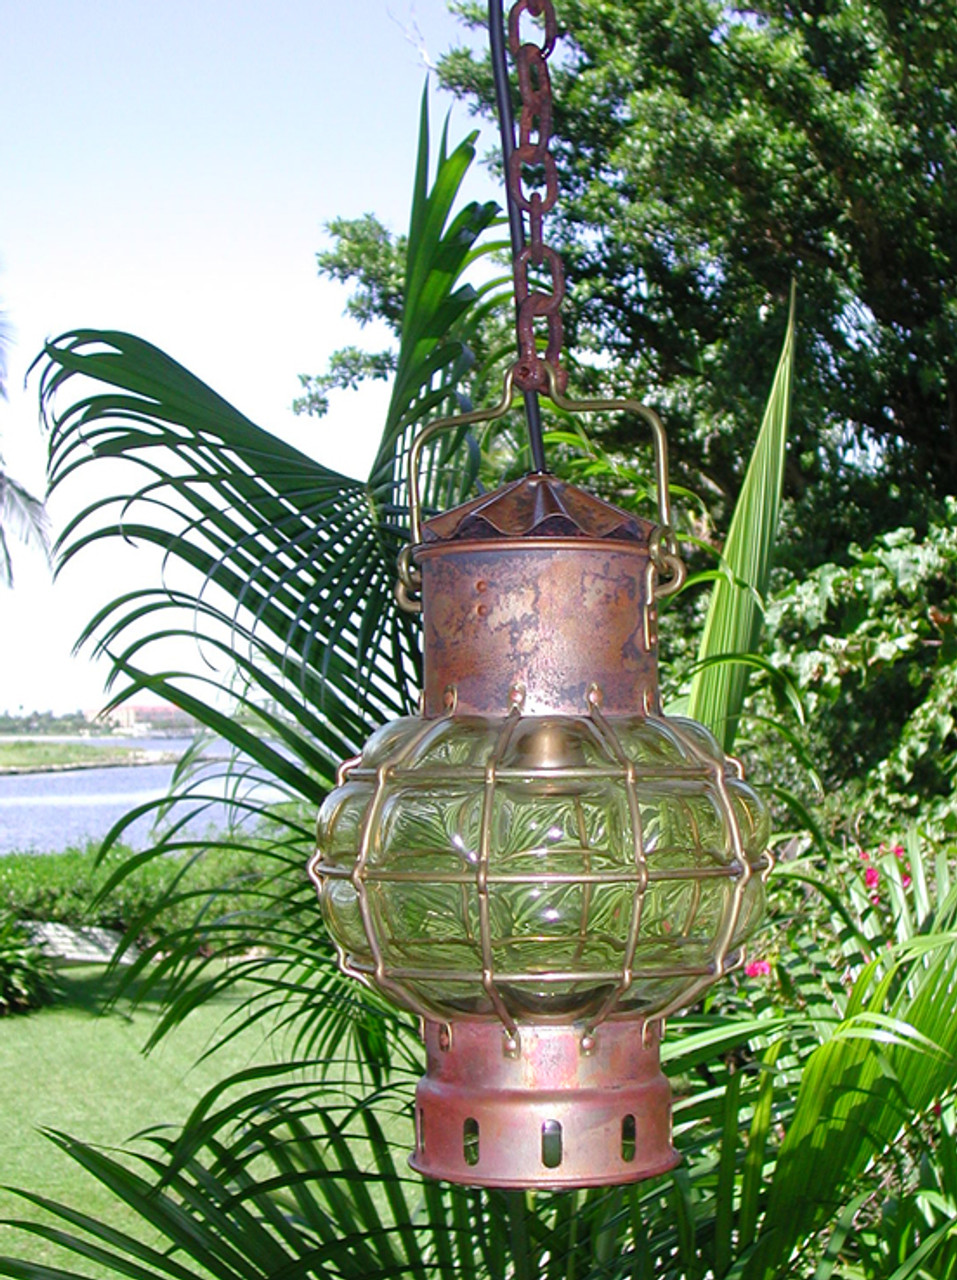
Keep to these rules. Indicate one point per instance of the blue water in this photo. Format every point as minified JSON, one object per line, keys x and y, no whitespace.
{"x":47,"y":812}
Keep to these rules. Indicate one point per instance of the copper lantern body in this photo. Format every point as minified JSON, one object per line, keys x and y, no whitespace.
{"x":541,"y":865}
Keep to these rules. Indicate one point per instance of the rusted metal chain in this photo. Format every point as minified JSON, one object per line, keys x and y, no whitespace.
{"x":532,"y":153}
{"x":516,"y":226}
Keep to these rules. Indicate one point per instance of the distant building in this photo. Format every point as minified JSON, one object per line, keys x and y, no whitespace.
{"x":159,"y":718}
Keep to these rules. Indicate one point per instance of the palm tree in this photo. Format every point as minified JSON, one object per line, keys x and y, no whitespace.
{"x":799,"y":1102}
{"x":21,"y":515}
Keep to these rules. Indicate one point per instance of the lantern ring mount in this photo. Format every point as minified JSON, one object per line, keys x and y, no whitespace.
{"x":663,"y":548}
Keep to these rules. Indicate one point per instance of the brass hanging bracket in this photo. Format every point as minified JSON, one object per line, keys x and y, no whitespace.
{"x":663,"y":549}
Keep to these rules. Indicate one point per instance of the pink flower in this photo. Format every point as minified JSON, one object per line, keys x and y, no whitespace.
{"x":906,"y":881}
{"x":898,"y":851}
{"x":876,"y":899}
{"x":758,"y":969}
{"x":865,"y":857}
{"x":871,"y":877}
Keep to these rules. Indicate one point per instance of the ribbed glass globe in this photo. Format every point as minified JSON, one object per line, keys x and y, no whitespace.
{"x":544,"y":868}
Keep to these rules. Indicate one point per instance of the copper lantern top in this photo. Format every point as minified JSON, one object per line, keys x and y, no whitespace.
{"x":536,"y":506}
{"x":531,"y":596}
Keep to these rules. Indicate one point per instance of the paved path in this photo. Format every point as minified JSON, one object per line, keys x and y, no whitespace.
{"x":85,"y":945}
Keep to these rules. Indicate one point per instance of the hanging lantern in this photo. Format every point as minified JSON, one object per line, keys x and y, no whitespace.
{"x":541,"y":865}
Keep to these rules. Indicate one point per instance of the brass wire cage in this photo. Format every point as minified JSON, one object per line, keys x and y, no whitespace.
{"x":541,"y":868}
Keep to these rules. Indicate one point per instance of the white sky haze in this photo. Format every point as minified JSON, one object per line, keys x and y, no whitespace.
{"x":166,"y":169}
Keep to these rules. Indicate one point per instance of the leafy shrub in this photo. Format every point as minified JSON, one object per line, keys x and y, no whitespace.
{"x":26,"y":975}
{"x":68,"y":887}
{"x":872,"y":647}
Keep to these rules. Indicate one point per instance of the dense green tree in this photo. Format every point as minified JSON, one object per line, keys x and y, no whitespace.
{"x":872,"y":646}
{"x":365,"y":254}
{"x":708,"y":154}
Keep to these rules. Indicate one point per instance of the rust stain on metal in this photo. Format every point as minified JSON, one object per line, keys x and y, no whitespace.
{"x":532,"y":154}
{"x":555,"y":615}
{"x":543,"y":585}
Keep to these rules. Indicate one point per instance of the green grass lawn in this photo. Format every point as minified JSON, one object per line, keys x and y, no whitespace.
{"x":27,"y":754}
{"x":68,"y":1068}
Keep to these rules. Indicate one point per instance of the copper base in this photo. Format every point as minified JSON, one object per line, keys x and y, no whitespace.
{"x":550,"y":1115}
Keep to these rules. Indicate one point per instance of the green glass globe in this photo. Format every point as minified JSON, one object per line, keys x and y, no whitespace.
{"x":541,"y":868}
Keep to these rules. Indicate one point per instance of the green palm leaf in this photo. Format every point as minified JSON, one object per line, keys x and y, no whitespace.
{"x":254,"y":530}
{"x":733,"y":621}
{"x":881,"y":1069}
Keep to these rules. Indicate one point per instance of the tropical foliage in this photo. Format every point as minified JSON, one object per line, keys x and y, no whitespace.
{"x":735,"y":615}
{"x":283,"y":568}
{"x":282,"y":571}
{"x":26,"y":975}
{"x":21,"y":515}
{"x":814,"y":1093}
{"x":871,"y":646}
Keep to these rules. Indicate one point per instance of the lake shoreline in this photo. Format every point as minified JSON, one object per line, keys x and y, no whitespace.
{"x":133,"y":760}
{"x":47,"y":803}
{"x":24,"y":756}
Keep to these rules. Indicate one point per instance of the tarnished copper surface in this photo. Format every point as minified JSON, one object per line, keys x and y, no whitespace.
{"x":550,"y":617}
{"x":537,"y":506}
{"x":549,"y":1115}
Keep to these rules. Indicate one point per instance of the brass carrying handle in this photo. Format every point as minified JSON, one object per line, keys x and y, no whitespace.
{"x":664,"y":548}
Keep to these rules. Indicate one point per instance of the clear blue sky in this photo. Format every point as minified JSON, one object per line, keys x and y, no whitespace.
{"x":166,"y":169}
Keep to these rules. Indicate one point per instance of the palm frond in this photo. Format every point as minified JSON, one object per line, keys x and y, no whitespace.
{"x":861,"y":1090}
{"x":251,"y":529}
{"x":280,"y":567}
{"x":733,"y":620}
{"x":22,"y":516}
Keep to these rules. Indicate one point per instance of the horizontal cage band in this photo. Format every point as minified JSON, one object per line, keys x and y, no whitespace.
{"x":590,"y":976}
{"x":426,"y":776}
{"x":732,"y":871}
{"x":614,"y":943}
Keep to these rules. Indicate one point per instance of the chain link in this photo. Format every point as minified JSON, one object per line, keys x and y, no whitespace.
{"x":535,"y":128}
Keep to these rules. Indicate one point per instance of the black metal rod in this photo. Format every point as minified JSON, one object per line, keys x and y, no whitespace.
{"x":516,"y":227}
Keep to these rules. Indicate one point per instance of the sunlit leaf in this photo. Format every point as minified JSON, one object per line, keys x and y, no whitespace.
{"x":733,"y":620}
